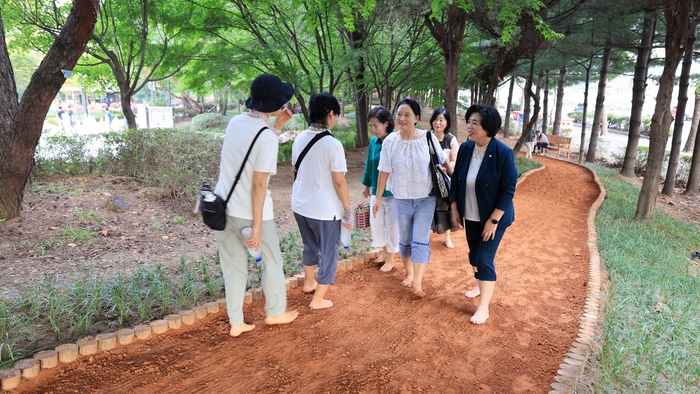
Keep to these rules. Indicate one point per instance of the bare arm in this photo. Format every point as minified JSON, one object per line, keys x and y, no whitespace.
{"x":341,"y":189}
{"x":381,"y":186}
{"x":258,"y":198}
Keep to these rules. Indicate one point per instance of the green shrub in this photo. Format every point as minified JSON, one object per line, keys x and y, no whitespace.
{"x":182,"y":112}
{"x":209,"y":121}
{"x":176,"y":161}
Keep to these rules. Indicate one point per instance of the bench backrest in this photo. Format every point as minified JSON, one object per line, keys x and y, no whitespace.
{"x":559,"y":140}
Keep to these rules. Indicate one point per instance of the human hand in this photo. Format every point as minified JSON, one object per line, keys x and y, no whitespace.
{"x":256,"y":240}
{"x":349,"y":218}
{"x":377,"y":205}
{"x":365,"y":192}
{"x":489,"y":232}
{"x":284,"y":116}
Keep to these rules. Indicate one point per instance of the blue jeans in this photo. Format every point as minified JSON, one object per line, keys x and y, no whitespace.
{"x":415,"y":217}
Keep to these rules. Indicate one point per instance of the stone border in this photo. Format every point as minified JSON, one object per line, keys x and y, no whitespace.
{"x":572,"y":367}
{"x":29,"y":368}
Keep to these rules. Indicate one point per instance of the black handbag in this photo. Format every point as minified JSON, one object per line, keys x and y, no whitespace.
{"x":214,"y":208}
{"x":441,"y":181}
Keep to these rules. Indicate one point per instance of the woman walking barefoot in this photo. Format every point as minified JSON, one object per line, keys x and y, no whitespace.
{"x":404,"y":168}
{"x":320,"y":197}
{"x":440,"y":123}
{"x":384,"y":227}
{"x":482,"y":189}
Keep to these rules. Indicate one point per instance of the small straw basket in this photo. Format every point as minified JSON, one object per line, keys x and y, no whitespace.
{"x":362,"y":214}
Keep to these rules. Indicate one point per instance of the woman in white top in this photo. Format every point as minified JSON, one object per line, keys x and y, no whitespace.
{"x":320,"y":197}
{"x":404,"y":168}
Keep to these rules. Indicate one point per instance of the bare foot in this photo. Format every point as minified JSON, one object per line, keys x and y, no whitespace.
{"x":323,"y":305}
{"x":419,"y":293}
{"x":449,"y":244}
{"x":387,"y":267}
{"x":408,"y":282}
{"x":238,"y":329}
{"x":309,"y":289}
{"x":480,"y":316}
{"x":475,"y":292}
{"x":285,"y":318}
{"x":380,"y":259}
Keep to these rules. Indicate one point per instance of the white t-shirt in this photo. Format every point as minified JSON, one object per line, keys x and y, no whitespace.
{"x":240,"y":132}
{"x":313,"y":193}
{"x":408,"y":164}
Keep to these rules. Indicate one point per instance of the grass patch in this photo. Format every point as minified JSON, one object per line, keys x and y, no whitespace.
{"x":651,"y":336}
{"x":524,"y":164}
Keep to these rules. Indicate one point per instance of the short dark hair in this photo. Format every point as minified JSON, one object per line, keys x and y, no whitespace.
{"x":320,"y":105}
{"x":383,"y":115}
{"x":490,"y":118}
{"x":415,"y":107}
{"x":444,"y":112}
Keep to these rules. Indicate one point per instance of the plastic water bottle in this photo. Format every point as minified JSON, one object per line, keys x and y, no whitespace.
{"x":344,"y":235}
{"x":206,"y":194}
{"x":248,"y":234}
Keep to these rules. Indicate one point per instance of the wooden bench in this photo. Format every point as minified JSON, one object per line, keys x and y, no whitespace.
{"x":558,"y":143}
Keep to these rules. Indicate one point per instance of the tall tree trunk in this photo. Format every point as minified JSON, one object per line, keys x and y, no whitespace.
{"x":506,"y":128}
{"x":449,"y":38}
{"x":641,"y":70}
{"x":604,"y":121}
{"x":585,"y":110}
{"x":693,"y":186}
{"x":599,"y":102}
{"x":677,"y":138}
{"x":538,"y":90}
{"x":533,"y":120}
{"x":676,"y":13}
{"x":21,"y":122}
{"x":526,"y":102}
{"x":560,"y":100}
{"x":224,"y":98}
{"x":690,"y":143}
{"x":545,"y":102}
{"x":495,"y":77}
{"x":357,"y":39}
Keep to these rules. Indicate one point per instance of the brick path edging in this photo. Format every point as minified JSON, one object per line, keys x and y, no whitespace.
{"x":10,"y":378}
{"x":572,"y":367}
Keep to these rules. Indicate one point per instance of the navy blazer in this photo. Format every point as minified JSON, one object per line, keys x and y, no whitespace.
{"x":495,"y":182}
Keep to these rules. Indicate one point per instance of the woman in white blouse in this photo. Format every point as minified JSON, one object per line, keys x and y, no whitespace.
{"x":404,"y":168}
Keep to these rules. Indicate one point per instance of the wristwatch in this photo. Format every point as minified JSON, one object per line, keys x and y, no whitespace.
{"x":494,"y":221}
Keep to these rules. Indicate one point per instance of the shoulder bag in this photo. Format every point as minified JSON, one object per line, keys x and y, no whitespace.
{"x":306,"y":150}
{"x":441,"y":182}
{"x":214,"y":209}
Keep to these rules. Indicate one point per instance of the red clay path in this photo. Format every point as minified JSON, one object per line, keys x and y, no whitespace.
{"x":378,"y":338}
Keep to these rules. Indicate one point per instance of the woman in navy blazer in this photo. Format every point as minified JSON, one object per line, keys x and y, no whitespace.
{"x":482,"y":189}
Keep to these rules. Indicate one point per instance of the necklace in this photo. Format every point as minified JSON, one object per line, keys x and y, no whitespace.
{"x":415,"y":131}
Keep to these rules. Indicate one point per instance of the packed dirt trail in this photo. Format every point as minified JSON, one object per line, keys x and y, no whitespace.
{"x":378,"y":337}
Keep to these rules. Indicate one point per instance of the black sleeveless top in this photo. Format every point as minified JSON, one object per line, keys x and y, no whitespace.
{"x":446,"y":141}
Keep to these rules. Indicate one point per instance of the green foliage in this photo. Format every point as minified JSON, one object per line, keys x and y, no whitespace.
{"x":651,"y":336}
{"x":524,"y":164}
{"x":209,"y":121}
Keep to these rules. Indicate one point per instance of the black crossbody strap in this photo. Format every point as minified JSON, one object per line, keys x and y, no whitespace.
{"x":238,"y":176}
{"x":431,"y":147}
{"x":308,"y":146}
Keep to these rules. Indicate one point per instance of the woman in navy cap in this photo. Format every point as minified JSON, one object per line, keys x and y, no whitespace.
{"x":250,"y":204}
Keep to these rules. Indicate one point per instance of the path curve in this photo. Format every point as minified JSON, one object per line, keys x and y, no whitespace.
{"x":378,"y":337}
